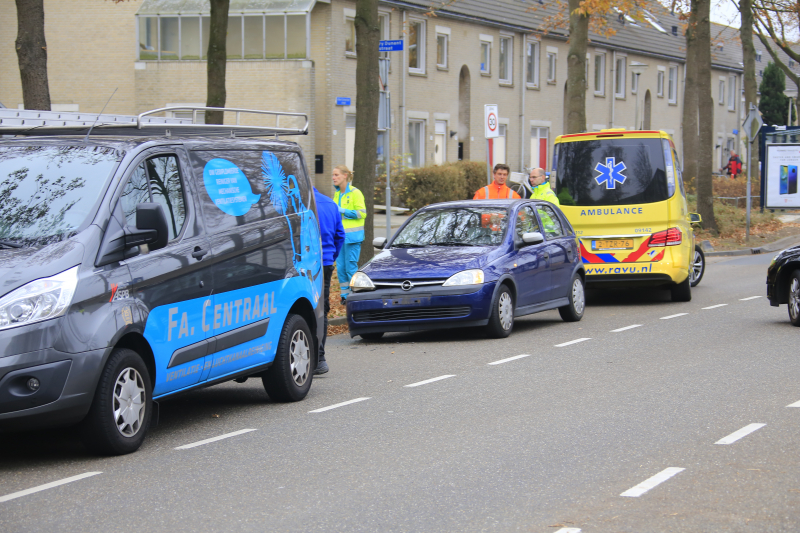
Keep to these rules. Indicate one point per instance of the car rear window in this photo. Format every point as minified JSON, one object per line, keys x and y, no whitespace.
{"x":616,"y":171}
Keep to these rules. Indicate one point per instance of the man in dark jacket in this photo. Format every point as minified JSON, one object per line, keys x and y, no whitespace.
{"x":332,"y":235}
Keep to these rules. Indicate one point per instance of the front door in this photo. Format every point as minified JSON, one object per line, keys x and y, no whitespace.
{"x":530,"y":267}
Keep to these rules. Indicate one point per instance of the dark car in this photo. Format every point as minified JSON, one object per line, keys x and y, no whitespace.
{"x":470,"y":264}
{"x":783,"y":282}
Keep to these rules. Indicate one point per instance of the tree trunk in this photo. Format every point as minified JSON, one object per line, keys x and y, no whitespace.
{"x":750,"y":85}
{"x":32,"y":54}
{"x":690,"y":135}
{"x":217,"y":60}
{"x":576,"y":69}
{"x":367,"y":103}
{"x":705,"y":104}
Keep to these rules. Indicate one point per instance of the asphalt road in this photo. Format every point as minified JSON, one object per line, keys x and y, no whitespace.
{"x":622,"y":431}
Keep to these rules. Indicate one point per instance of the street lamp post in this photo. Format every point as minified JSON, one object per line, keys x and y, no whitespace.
{"x":637,"y":69}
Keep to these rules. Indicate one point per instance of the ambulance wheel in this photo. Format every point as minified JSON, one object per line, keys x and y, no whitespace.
{"x":501,"y":321}
{"x":698,"y":266}
{"x":289,"y":377}
{"x":123,"y":404}
{"x":682,"y":292}
{"x":573,"y":311}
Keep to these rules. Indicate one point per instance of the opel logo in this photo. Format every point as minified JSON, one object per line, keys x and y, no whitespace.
{"x":407,"y":285}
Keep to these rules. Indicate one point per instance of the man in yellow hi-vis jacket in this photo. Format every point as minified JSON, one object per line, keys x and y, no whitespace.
{"x":354,"y":212}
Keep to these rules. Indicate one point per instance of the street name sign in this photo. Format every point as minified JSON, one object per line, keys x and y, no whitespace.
{"x":391,"y":46}
{"x":341,"y":100}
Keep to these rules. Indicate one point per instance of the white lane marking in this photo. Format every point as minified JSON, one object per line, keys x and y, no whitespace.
{"x":214,"y":439}
{"x":501,"y":361}
{"x":795,"y":404}
{"x":626,"y":328}
{"x":673,"y":316}
{"x":348,"y":402}
{"x":736,"y":435}
{"x":569,"y":530}
{"x":576,"y":341}
{"x":654,"y":481}
{"x":20,"y":494}
{"x":417,"y":384}
{"x":715,"y":306}
{"x":751,"y":298}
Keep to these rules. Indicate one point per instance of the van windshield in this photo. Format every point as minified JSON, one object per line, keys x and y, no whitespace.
{"x":616,"y":171}
{"x":47,"y":192}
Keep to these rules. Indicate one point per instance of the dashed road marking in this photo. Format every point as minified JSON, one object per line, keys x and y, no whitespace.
{"x":736,"y":435}
{"x":501,"y":361}
{"x":576,"y":341}
{"x":569,"y":530}
{"x":348,"y":402}
{"x":795,"y":404}
{"x":673,"y":316}
{"x":20,"y":494}
{"x":715,"y":306}
{"x":214,"y":439}
{"x":417,"y":384}
{"x":750,"y":298}
{"x":626,"y":328}
{"x":654,"y":481}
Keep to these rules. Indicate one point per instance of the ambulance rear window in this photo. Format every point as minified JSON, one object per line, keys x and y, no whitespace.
{"x":618,"y":171}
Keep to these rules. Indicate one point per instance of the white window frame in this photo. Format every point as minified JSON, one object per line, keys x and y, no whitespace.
{"x":502,"y":133}
{"x":509,"y":79}
{"x":721,"y":95}
{"x":552,"y":60}
{"x":445,"y":33}
{"x":732,"y":93}
{"x":620,"y":76}
{"x":350,"y":17}
{"x":421,"y":147}
{"x":634,"y":83}
{"x":486,"y":66}
{"x":421,"y":36}
{"x":387,"y":17}
{"x":758,"y":55}
{"x":602,"y":56}
{"x":661,"y":81}
{"x":532,"y":51}
{"x":672,"y":85}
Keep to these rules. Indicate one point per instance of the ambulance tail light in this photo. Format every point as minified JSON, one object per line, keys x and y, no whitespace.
{"x":668,"y":237}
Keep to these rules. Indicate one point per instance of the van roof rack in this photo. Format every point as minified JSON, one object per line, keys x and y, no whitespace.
{"x":44,"y":123}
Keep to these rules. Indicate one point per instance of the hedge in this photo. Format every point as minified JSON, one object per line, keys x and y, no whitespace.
{"x":418,"y":187}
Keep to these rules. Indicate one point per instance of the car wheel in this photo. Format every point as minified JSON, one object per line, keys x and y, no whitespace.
{"x":119,"y":417}
{"x":371,"y":336}
{"x":289,"y":378}
{"x":501,"y":321}
{"x":682,"y":292}
{"x":794,"y":298}
{"x":573,"y":312}
{"x":698,"y":266}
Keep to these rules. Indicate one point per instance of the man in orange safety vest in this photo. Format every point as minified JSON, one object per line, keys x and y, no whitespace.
{"x":497,"y":190}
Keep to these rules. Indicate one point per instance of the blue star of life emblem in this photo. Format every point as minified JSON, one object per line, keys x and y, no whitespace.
{"x":610,"y":173}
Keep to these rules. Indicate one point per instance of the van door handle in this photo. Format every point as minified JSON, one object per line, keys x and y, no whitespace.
{"x":199,"y":253}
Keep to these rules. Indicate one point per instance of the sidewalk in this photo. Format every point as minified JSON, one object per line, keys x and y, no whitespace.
{"x":781,"y":244}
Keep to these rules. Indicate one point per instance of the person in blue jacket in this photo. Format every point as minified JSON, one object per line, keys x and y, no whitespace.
{"x":332,"y":236}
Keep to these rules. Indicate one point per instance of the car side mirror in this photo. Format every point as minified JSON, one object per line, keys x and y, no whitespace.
{"x":379,"y":243}
{"x":695,"y":218}
{"x":532,"y":238}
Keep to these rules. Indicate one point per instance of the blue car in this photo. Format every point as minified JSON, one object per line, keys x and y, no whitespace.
{"x":476,"y":263}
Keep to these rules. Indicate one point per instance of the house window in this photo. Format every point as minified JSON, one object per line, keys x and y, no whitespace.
{"x":440,"y":143}
{"x":758,"y":55}
{"x":532,"y":76}
{"x":634,"y":83}
{"x":673,"y":85}
{"x":416,"y":46}
{"x":499,"y":145}
{"x":599,"y":74}
{"x":721,"y":92}
{"x":349,"y":139}
{"x":506,"y":54}
{"x":190,"y":38}
{"x":551,"y":67}
{"x":197,"y":117}
{"x":660,"y":84}
{"x":791,"y":64}
{"x":486,"y":57}
{"x":350,"y":38}
{"x":619,"y":86}
{"x":732,"y":93}
{"x":441,"y":50}
{"x":383,"y":25}
{"x":416,"y":143}
{"x":539,"y":140}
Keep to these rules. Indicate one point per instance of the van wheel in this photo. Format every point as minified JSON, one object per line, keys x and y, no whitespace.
{"x":123,"y":403}
{"x":376,"y":336}
{"x":698,"y":266}
{"x":794,"y":298}
{"x":501,"y":321}
{"x":289,"y":378}
{"x":573,"y":312}
{"x":682,"y":292}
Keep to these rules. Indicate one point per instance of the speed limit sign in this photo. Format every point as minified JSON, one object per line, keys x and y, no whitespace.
{"x":491,"y":122}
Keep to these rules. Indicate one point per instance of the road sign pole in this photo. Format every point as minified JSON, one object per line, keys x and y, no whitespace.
{"x":747,"y":231}
{"x":752,"y":125}
{"x":387,"y":143}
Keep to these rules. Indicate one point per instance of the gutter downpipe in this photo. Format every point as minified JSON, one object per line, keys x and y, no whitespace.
{"x":403,"y":73}
{"x":613,"y":87}
{"x":523,"y":88}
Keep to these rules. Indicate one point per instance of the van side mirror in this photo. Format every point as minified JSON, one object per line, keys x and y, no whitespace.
{"x":379,"y":243}
{"x":532,"y":238}
{"x":695,"y":218}
{"x":151,"y":227}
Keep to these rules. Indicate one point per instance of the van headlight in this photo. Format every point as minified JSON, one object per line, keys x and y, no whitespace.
{"x":39,"y":300}
{"x":467,"y":277}
{"x":361,"y":282}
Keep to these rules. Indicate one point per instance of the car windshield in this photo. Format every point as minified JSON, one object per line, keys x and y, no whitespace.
{"x":455,"y":226}
{"x":46,"y":192}
{"x":616,"y":171}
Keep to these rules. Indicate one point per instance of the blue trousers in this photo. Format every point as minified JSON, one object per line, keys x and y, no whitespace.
{"x":347,"y":265}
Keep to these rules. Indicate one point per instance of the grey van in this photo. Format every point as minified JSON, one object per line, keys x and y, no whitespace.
{"x":148,"y":259}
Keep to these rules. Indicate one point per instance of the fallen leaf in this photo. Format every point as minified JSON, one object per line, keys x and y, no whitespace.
{"x":214,"y":416}
{"x":389,"y":381}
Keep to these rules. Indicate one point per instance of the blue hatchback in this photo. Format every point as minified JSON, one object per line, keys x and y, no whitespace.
{"x":476,"y":263}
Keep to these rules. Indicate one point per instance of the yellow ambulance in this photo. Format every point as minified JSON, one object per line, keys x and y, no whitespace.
{"x":623,"y":193}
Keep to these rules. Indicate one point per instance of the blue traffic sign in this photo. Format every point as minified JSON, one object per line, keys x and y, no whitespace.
{"x":391,"y":46}
{"x":341,"y":100}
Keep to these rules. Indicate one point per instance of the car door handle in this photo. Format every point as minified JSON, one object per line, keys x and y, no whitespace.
{"x":199,"y":253}
{"x":546,"y":256}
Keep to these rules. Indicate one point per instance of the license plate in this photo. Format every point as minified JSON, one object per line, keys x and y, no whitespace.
{"x":613,"y":244}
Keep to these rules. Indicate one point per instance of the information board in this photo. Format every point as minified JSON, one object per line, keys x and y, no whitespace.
{"x":783,"y":162}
